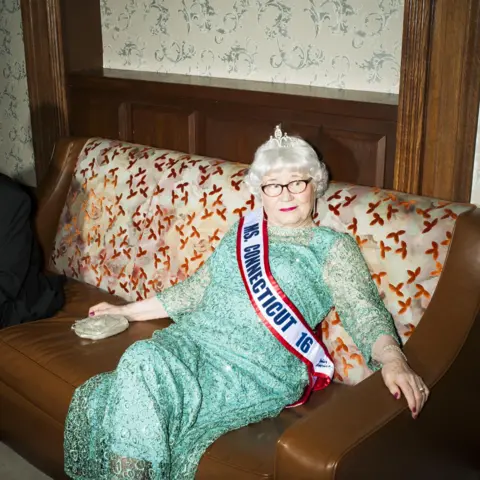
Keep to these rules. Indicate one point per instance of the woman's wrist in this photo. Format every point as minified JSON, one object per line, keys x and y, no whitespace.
{"x":386,"y":350}
{"x":148,"y":309}
{"x":128,"y":310}
{"x":392,"y":353}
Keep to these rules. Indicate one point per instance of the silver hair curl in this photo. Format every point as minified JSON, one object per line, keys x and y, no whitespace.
{"x":296,"y":156}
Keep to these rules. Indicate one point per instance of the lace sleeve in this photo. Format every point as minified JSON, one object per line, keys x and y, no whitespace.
{"x":356,"y":299}
{"x":184,"y":297}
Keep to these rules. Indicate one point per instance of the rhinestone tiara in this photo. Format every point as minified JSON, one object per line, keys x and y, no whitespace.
{"x":281,"y":139}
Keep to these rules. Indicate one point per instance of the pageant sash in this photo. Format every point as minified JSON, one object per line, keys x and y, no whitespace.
{"x":274,"y":308}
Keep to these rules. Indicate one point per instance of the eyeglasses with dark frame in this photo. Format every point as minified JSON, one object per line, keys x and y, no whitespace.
{"x":276,"y":189}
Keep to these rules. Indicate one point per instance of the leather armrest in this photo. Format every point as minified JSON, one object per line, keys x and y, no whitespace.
{"x":442,"y":346}
{"x":313,"y":446}
{"x":53,"y":190}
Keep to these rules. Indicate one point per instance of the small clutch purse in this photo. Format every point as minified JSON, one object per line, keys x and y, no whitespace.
{"x":101,"y":326}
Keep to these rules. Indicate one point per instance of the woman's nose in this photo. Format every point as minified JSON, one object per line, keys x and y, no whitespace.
{"x":286,"y":194}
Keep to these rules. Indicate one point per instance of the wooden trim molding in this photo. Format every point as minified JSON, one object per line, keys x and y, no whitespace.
{"x":452,"y":101}
{"x":82,"y":35}
{"x":228,"y":119}
{"x":56,"y":44}
{"x":42,"y":35}
{"x":413,"y":92}
{"x":439,"y":98}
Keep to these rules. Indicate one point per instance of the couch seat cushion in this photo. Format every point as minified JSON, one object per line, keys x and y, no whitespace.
{"x":44,"y":361}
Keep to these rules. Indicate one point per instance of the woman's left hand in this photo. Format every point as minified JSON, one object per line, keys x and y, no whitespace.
{"x":400,"y":378}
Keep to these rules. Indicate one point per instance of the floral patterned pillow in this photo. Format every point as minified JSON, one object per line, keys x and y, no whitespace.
{"x":139,"y":219}
{"x":404,"y":240}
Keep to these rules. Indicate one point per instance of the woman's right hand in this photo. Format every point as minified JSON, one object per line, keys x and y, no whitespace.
{"x":105,"y":308}
{"x":140,"y":311}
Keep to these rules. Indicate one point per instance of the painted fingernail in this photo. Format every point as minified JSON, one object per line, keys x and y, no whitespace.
{"x":414,"y":410}
{"x":92,"y":314}
{"x":397,"y":395}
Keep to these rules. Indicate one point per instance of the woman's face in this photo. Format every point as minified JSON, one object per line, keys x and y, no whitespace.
{"x":288,"y":209}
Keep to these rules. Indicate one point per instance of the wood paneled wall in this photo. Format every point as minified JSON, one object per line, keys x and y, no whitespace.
{"x":229,"y":119}
{"x":60,"y":36}
{"x":437,"y":107}
{"x":439,"y":98}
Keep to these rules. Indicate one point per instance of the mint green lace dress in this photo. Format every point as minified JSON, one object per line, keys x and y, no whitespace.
{"x":217,"y":368}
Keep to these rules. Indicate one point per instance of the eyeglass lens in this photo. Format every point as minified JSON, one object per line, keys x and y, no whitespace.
{"x":276,"y":189}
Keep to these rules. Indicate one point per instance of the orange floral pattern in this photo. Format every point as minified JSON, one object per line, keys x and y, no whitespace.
{"x":404,"y":240}
{"x":139,"y":219}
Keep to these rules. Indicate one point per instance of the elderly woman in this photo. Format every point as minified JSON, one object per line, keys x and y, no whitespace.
{"x":242,"y":346}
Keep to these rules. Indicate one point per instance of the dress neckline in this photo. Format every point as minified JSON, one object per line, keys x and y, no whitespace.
{"x":289,"y":231}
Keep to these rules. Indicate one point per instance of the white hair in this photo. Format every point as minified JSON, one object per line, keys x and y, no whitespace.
{"x":298,"y":156}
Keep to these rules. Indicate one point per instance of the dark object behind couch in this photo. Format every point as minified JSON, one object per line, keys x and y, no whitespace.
{"x":26,"y":293}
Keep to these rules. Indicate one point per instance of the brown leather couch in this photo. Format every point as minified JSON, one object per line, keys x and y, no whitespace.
{"x":343,"y":432}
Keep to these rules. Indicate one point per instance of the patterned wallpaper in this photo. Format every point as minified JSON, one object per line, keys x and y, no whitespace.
{"x":337,"y":43}
{"x":351,"y":44}
{"x":16,"y":150}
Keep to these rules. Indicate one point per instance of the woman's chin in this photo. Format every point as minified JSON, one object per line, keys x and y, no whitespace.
{"x":289,"y":219}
